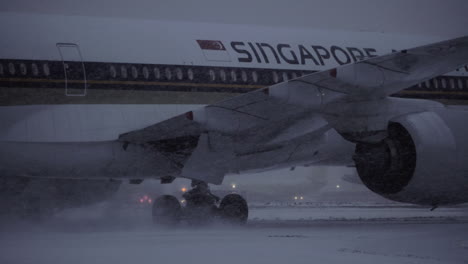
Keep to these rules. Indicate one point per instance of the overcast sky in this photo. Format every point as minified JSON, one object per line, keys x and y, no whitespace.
{"x":431,"y":17}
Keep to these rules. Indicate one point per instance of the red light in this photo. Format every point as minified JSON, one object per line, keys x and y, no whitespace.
{"x":149,"y":200}
{"x":141,"y":200}
{"x":189,"y":115}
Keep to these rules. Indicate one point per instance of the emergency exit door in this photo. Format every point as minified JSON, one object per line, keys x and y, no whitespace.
{"x":73,"y":68}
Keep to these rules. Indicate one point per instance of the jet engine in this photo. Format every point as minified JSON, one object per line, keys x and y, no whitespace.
{"x":423,"y":159}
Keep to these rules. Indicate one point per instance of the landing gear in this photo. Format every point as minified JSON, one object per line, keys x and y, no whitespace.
{"x":201,"y":208}
{"x":233,"y":208}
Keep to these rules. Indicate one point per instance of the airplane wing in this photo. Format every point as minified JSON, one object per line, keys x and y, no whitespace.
{"x":388,"y":74}
{"x":299,"y":110}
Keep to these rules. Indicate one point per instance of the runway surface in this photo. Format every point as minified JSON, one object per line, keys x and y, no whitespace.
{"x":274,"y":234}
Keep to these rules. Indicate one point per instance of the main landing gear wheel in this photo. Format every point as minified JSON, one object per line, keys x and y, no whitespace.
{"x":234,"y":209}
{"x":166,"y":210}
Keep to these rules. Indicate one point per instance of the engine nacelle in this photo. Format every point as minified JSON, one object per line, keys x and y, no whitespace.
{"x":424,"y":159}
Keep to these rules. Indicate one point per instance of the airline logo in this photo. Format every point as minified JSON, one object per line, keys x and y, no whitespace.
{"x":214,"y":50}
{"x":257,"y":52}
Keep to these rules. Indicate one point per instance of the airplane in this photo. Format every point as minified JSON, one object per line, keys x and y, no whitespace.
{"x":87,"y":102}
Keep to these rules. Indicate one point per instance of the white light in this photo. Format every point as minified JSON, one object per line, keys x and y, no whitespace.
{"x":295,"y":197}
{"x":337,"y":186}
{"x":182,"y":201}
{"x":233,"y":185}
{"x":302,"y":197}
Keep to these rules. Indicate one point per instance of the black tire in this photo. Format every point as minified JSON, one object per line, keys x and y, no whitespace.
{"x":234,"y":209}
{"x":166,"y":210}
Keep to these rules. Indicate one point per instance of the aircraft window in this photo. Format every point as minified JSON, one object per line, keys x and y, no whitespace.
{"x":112,"y":71}
{"x":11,"y":68}
{"x":294,"y":75}
{"x":168,"y":73}
{"x":285,"y":76}
{"x":275,"y":77}
{"x":45,"y":69}
{"x":1,"y":69}
{"x":179,"y":73}
{"x":123,"y":71}
{"x":255,"y":76}
{"x":157,"y":73}
{"x":212,"y":75}
{"x":436,"y":84}
{"x":23,"y":69}
{"x":190,"y":74}
{"x":222,"y":75}
{"x":460,"y":83}
{"x":134,"y":72}
{"x":233,"y":76}
{"x":444,"y":83}
{"x":244,"y":76}
{"x":34,"y":69}
{"x":145,"y":72}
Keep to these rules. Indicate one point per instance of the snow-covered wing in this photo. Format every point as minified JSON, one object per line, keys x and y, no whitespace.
{"x":388,"y":74}
{"x":273,"y":106}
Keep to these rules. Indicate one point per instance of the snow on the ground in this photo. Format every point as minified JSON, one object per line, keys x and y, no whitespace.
{"x":273,"y":235}
{"x":357,"y":213}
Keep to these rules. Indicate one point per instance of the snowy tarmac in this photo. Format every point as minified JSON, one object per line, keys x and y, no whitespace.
{"x":352,"y":234}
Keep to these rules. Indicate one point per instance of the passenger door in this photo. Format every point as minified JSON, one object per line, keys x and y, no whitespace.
{"x":74,"y":69}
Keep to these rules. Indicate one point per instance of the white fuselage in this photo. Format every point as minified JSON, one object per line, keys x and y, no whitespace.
{"x":126,"y":62}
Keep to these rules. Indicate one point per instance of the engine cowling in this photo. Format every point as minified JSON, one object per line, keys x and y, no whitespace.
{"x":423,"y":160}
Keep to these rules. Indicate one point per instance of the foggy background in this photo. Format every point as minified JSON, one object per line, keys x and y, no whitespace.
{"x":426,"y":17}
{"x":447,"y":18}
{"x":120,"y":230}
